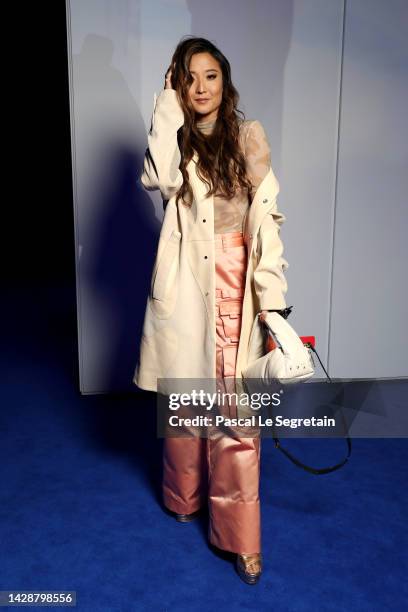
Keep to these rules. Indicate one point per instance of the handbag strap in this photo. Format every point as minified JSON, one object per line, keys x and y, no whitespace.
{"x":311,"y":469}
{"x":299,"y":463}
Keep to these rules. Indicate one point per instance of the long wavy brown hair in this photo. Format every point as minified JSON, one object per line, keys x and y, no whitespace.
{"x":221,"y":163}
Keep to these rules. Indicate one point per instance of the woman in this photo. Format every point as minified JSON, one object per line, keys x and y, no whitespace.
{"x":219,"y":263}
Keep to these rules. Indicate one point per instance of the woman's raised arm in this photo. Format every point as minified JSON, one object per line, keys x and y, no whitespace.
{"x":162,"y":157}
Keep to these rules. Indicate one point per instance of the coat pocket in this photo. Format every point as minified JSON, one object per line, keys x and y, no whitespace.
{"x":165,"y":279}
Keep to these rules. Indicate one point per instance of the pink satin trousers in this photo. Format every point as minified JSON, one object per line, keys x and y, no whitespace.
{"x":222,"y":471}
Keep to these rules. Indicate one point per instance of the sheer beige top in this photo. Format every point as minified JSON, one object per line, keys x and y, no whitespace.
{"x":229,"y":215}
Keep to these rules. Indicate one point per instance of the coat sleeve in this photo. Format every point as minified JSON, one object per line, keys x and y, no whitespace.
{"x":269,"y":279}
{"x":270,"y":282}
{"x":162,"y":157}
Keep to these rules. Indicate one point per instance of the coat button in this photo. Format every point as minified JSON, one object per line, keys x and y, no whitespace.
{"x":204,"y":220}
{"x":207,"y":293}
{"x":205,"y":257}
{"x":265,"y":200}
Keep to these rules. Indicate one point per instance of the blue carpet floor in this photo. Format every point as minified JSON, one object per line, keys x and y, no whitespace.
{"x":81,"y":510}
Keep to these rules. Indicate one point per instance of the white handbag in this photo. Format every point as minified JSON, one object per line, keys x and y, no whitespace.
{"x":291,"y":362}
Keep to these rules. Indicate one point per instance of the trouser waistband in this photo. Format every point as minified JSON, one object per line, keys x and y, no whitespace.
{"x":231,"y":239}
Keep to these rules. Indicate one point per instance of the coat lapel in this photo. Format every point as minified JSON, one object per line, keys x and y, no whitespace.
{"x":263,"y":203}
{"x":198,"y":186}
{"x":202,"y":205}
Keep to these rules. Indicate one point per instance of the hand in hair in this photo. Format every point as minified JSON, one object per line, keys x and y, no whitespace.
{"x":167,"y":80}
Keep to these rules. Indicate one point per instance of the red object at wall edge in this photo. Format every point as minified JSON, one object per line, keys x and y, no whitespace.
{"x":271,"y":344}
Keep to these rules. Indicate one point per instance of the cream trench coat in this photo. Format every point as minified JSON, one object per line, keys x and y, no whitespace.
{"x":178,"y":338}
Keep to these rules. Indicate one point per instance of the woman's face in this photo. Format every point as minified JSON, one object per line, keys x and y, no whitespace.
{"x":206,"y":85}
